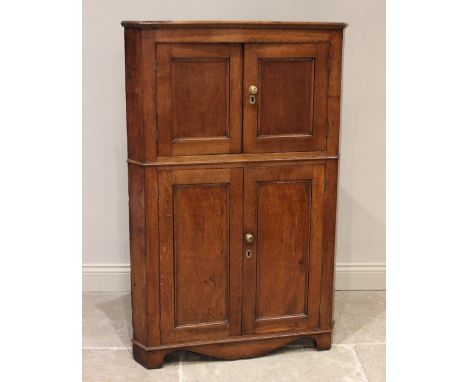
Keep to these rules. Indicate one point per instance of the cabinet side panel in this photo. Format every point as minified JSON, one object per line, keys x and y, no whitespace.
{"x":152,"y":255}
{"x":328,"y":264}
{"x":135,"y":133}
{"x":334,"y":91}
{"x":148,"y":90}
{"x":136,"y":193}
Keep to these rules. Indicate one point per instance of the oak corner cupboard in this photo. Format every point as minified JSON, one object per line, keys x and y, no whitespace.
{"x":232,"y":134}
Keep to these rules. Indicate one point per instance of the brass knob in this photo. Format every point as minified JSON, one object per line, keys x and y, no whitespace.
{"x":253,"y":89}
{"x":249,"y":238}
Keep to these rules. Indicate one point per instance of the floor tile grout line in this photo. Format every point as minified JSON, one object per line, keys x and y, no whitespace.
{"x":361,"y":343}
{"x":358,"y":362}
{"x":107,"y":348}
{"x":179,"y":369}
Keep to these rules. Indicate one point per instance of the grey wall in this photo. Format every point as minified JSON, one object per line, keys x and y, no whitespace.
{"x":361,"y":216}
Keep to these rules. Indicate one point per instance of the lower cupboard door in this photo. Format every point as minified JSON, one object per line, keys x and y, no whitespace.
{"x":283,"y":211}
{"x":200,"y":222}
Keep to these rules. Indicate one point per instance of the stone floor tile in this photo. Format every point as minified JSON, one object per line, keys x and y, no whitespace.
{"x":288,"y":365}
{"x":359,"y":317}
{"x":372,"y":358}
{"x":119,"y":366}
{"x":107,"y":319}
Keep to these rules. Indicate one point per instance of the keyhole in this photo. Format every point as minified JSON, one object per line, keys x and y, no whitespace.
{"x":248,"y":253}
{"x":252,"y":99}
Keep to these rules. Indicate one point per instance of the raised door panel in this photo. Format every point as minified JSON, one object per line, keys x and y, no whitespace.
{"x":283,"y":209}
{"x":290,"y":108}
{"x":199,"y":103}
{"x":200,"y":247}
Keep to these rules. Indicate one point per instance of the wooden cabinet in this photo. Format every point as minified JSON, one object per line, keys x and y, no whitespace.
{"x":233,"y":159}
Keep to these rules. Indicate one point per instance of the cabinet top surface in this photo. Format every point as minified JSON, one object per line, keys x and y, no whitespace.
{"x":232,"y":24}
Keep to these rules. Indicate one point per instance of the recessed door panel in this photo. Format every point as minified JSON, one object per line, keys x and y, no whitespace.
{"x":282,"y":249}
{"x":283,"y":210}
{"x":289,"y":109}
{"x":286,"y":103}
{"x":199,"y":103}
{"x":201,"y":259}
{"x":200,"y":245}
{"x":200,"y":98}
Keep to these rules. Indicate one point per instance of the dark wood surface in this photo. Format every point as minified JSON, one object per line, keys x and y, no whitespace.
{"x":283,"y":208}
{"x":291,"y":111}
{"x":200,"y":219}
{"x":238,"y":35}
{"x":232,"y":24}
{"x":205,"y":167}
{"x":199,"y":101}
{"x":136,"y":204}
{"x":233,"y":159}
{"x":230,"y":348}
{"x":151,"y":118}
{"x":140,"y":95}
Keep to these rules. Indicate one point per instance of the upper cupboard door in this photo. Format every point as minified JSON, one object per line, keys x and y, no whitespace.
{"x":199,"y":102}
{"x":289,"y":110}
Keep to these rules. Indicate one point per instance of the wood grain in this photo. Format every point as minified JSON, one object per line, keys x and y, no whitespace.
{"x":200,"y":219}
{"x":230,"y":348}
{"x":152,"y":256}
{"x":205,"y":167}
{"x":140,"y":95}
{"x":199,"y":103}
{"x":136,"y":204}
{"x":328,"y":251}
{"x":286,"y":103}
{"x":334,"y":92}
{"x":201,"y":257}
{"x":240,"y":36}
{"x":291,"y":112}
{"x":200,"y":98}
{"x":232,"y":24}
{"x":234,"y":159}
{"x":283,"y":225}
{"x":134,"y":97}
{"x":282,"y":208}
